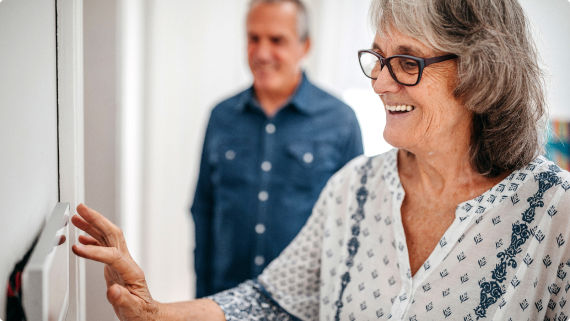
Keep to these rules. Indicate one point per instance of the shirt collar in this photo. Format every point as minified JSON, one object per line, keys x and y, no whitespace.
{"x":300,"y":100}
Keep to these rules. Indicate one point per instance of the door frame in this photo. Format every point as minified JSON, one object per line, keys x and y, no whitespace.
{"x":69,"y":38}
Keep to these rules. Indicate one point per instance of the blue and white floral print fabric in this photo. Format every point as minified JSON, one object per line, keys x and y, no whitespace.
{"x":504,"y":257}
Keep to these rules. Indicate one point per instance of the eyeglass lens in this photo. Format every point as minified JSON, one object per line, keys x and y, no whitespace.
{"x":405,"y":70}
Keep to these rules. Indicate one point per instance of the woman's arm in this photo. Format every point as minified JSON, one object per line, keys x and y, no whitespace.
{"x":127,"y":290}
{"x":201,"y":309}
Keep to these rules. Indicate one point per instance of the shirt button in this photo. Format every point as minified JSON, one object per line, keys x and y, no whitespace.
{"x":259,"y":228}
{"x":308,"y":158}
{"x":270,"y":128}
{"x":263,"y":196}
{"x":266,"y":166}
{"x":259,"y":260}
{"x":230,"y":154}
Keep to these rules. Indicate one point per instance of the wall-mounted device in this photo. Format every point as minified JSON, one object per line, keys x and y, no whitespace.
{"x":45,"y":279}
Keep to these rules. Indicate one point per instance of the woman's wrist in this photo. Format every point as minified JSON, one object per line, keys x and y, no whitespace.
{"x":158,"y":311}
{"x":199,"y":310}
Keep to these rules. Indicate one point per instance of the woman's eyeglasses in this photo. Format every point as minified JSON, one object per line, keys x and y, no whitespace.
{"x":406,"y":70}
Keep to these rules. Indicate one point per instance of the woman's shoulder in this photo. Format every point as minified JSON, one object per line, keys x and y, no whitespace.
{"x":551,"y":181}
{"x":547,"y":171}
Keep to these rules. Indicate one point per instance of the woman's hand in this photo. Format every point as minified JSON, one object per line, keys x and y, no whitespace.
{"x":127,"y":290}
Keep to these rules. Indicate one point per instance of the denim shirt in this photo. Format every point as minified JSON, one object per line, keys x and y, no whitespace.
{"x":260,"y":177}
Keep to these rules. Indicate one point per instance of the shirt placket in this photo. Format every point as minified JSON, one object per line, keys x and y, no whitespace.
{"x":451,"y":239}
{"x":402,"y":302}
{"x":264,"y":195}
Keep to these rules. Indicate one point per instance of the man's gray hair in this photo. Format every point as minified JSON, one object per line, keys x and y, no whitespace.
{"x":302,"y":16}
{"x":498,"y":76}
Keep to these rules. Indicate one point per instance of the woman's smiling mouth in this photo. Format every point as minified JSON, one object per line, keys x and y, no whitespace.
{"x":398,"y":109}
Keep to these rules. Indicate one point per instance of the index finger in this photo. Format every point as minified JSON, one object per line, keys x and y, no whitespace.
{"x":98,"y":222}
{"x":81,"y":224}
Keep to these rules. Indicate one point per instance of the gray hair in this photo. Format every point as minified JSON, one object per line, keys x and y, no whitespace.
{"x":302,"y":16}
{"x":498,"y":77}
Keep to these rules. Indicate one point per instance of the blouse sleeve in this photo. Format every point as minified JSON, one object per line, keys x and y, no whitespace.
{"x":248,"y":301}
{"x":556,"y":303}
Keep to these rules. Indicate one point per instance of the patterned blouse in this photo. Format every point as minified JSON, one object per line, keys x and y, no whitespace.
{"x":504,"y":257}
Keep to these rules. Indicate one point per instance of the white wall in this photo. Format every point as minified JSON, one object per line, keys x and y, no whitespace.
{"x":101,"y":134}
{"x":196,"y":57}
{"x":28,"y":127}
{"x":551,"y":25}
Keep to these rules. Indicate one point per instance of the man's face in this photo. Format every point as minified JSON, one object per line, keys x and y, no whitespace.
{"x":274,"y":49}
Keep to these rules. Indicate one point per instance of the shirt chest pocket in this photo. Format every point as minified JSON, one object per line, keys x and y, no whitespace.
{"x":310,"y":163}
{"x":231,"y":162}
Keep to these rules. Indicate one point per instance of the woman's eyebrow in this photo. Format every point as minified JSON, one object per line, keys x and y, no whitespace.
{"x":401,"y":50}
{"x":407,"y":50}
{"x":375,"y":47}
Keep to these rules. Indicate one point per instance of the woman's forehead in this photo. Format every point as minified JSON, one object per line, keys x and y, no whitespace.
{"x":392,"y":41}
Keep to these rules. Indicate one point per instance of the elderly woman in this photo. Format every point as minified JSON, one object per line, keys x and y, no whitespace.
{"x":462,"y":221}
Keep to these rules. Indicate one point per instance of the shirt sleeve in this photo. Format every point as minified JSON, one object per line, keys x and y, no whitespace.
{"x":202,"y":208}
{"x":248,"y":301}
{"x":292,"y":280}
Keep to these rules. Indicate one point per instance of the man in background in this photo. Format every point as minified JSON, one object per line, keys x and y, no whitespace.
{"x":268,"y":151}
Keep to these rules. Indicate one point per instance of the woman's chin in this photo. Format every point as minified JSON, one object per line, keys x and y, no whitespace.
{"x":398,"y":138}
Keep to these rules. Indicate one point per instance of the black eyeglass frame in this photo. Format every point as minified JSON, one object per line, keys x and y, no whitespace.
{"x":422,"y":63}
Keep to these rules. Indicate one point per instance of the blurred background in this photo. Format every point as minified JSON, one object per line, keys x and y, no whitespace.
{"x":154,"y":69}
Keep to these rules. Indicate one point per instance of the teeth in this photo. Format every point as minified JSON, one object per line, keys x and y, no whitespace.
{"x":400,"y":108}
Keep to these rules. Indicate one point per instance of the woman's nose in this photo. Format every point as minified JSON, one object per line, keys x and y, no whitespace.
{"x":384,"y":82}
